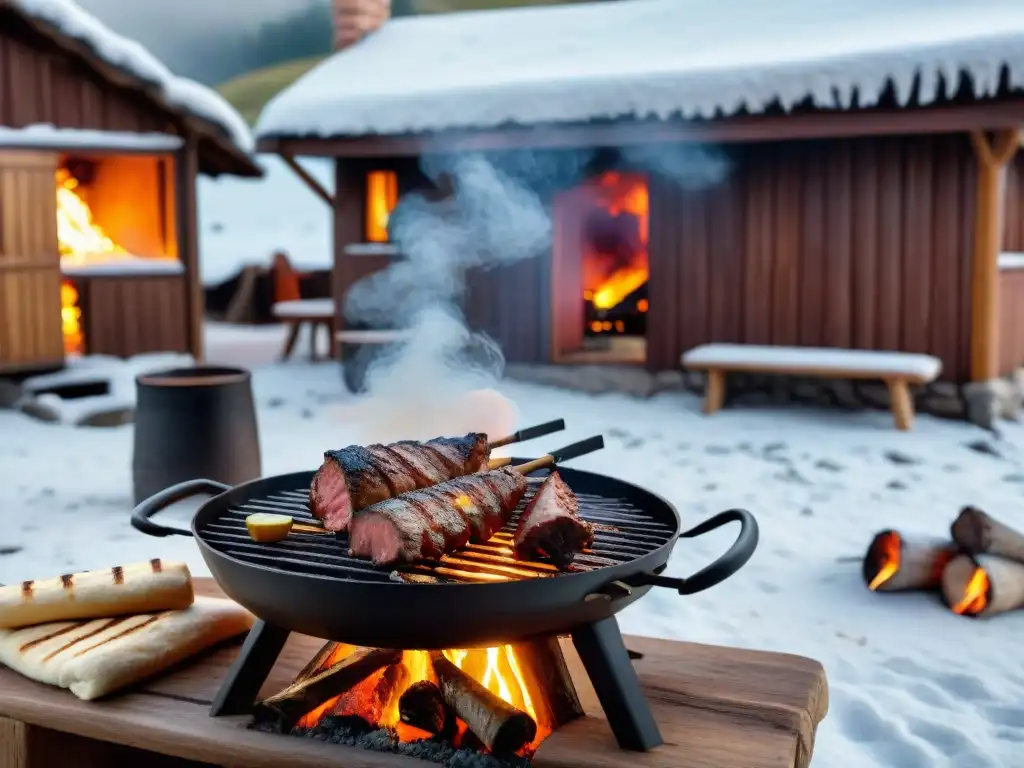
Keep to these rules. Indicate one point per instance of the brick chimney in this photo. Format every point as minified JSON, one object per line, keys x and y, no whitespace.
{"x":354,"y":19}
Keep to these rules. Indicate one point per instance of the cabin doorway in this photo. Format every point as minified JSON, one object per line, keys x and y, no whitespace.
{"x":600,"y":269}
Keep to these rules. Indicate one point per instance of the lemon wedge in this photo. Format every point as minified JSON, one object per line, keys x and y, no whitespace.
{"x":265,"y":527}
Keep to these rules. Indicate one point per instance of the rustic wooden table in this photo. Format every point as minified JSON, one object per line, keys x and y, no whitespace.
{"x":717,"y":708}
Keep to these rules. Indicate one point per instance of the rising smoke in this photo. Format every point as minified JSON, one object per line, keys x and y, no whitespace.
{"x":442,"y":380}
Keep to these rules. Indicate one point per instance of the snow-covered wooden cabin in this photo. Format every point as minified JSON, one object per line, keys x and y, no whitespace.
{"x":871,"y":187}
{"x":100,"y":148}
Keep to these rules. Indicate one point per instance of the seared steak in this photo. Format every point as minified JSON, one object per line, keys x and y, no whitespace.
{"x":551,"y":526}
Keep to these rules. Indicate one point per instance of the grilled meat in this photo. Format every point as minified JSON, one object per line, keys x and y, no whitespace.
{"x":359,"y":476}
{"x":430,"y":522}
{"x":551,"y":526}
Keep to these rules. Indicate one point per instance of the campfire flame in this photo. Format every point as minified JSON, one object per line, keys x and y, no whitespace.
{"x":71,"y":320}
{"x":497,"y":669}
{"x":381,"y":199}
{"x":80,"y":239}
{"x":888,"y":553}
{"x":975,"y":597}
{"x":622,"y":194}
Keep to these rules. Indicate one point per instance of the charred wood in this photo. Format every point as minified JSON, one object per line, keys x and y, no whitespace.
{"x":500,"y":726}
{"x":983,"y":585}
{"x":422,"y":706}
{"x":895,"y":563}
{"x":303,"y":696}
{"x":370,"y":699}
{"x":979,"y":533}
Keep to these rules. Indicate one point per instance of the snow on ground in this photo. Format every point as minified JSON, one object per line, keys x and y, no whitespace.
{"x":241,"y":224}
{"x":912,"y":686}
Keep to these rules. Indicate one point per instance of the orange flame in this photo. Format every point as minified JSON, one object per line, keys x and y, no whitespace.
{"x":888,"y":553}
{"x":975,"y":597}
{"x":497,"y":669}
{"x":622,"y":194}
{"x":381,"y":199}
{"x":79,"y":238}
{"x":71,"y":320}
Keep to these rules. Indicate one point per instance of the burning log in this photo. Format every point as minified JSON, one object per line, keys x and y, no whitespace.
{"x":370,"y":699}
{"x":977,"y":533}
{"x":543,"y":668}
{"x":894,"y":563}
{"x":983,"y":585}
{"x":302,"y":696}
{"x":500,"y":726}
{"x":423,"y":706}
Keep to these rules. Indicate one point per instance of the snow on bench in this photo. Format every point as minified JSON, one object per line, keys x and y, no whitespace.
{"x":897,"y":369}
{"x":304,"y":309}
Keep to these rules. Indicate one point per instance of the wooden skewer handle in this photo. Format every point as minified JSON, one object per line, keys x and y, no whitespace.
{"x":573,"y":451}
{"x":530,"y":433}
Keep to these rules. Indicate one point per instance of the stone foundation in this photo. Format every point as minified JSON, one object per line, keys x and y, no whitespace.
{"x":983,"y":404}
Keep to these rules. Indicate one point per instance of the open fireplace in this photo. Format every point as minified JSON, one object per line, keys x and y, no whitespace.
{"x":118,"y":242}
{"x":600,"y":270}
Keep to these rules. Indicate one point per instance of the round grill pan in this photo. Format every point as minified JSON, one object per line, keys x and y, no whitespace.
{"x":476,"y":597}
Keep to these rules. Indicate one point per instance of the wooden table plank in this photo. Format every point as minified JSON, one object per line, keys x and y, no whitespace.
{"x":717,"y":708}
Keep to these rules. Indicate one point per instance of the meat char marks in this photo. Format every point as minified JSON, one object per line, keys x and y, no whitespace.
{"x":551,"y":525}
{"x":427,"y":523}
{"x":358,"y":476}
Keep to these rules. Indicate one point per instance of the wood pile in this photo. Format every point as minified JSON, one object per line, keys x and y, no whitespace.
{"x":978,"y":570}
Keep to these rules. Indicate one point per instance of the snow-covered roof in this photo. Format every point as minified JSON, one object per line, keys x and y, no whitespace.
{"x":638,"y":59}
{"x":46,"y":136}
{"x":69,"y":20}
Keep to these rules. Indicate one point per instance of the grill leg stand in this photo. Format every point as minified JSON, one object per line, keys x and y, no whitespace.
{"x":246,"y":676}
{"x":611,"y":672}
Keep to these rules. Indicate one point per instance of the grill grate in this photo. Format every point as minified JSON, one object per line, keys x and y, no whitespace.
{"x":623,"y":532}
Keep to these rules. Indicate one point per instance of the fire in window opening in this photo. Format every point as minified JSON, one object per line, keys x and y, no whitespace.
{"x":79,"y":238}
{"x":71,"y":319}
{"x":381,"y":198}
{"x":615,"y":256}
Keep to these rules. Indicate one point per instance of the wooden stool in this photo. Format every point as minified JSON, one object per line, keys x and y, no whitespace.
{"x":317,"y":313}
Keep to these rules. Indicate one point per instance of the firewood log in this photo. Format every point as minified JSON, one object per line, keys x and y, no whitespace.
{"x":978,"y":533}
{"x":983,"y":585}
{"x":422,"y":706}
{"x":500,"y":726}
{"x":895,"y":563}
{"x":545,"y":673}
{"x":287,"y":707}
{"x":370,"y":699}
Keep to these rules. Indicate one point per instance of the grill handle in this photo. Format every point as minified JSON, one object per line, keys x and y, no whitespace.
{"x":160,"y":501}
{"x":724,"y":567}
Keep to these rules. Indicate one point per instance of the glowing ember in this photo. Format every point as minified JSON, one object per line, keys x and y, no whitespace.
{"x":71,"y":320}
{"x":975,"y":595}
{"x":619,"y":195}
{"x":888,"y":554}
{"x":80,"y":239}
{"x":381,"y":198}
{"x":497,"y":669}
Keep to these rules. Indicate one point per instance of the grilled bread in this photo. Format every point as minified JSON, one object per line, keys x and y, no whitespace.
{"x":138,"y":588}
{"x":98,"y":657}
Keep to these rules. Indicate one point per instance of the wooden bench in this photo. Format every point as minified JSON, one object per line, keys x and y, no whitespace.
{"x":316,"y":313}
{"x":897,"y":369}
{"x":356,"y":367}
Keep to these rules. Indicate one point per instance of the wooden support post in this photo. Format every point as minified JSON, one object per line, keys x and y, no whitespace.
{"x":992,"y":154}
{"x":901,"y":403}
{"x":308,"y":179}
{"x":186,"y":180}
{"x":714,"y":390}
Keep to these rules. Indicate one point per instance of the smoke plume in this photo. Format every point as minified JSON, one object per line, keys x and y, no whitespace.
{"x":442,"y":380}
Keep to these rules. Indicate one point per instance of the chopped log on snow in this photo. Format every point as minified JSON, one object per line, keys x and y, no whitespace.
{"x":983,"y":585}
{"x":978,"y":533}
{"x":287,"y":707}
{"x":422,"y":706}
{"x":896,"y":563}
{"x":500,"y":726}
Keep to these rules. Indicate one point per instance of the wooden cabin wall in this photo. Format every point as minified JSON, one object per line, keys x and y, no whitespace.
{"x":1011,"y":320}
{"x":511,"y":305}
{"x":128,"y":315}
{"x":853,"y":243}
{"x":30,"y":318}
{"x":41,"y":86}
{"x":1013,"y":210}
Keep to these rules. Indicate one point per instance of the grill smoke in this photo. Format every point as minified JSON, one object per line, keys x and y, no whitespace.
{"x":442,"y":380}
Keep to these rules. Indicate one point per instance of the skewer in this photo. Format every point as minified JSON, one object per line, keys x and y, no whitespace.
{"x":529,"y":433}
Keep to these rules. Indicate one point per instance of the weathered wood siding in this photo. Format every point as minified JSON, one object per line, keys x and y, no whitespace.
{"x":511,"y":305}
{"x":30,"y":280}
{"x":1013,"y":211}
{"x":861,"y":243}
{"x":1011,"y":320}
{"x":132,"y":315}
{"x":38,"y":85}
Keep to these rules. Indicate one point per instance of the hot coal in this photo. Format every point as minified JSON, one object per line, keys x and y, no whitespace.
{"x":356,"y":732}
